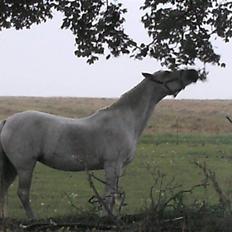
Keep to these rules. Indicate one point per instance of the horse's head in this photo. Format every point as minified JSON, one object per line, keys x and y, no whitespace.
{"x":174,"y":81}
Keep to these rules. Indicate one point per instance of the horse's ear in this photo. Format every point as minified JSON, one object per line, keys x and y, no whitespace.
{"x":147,"y":75}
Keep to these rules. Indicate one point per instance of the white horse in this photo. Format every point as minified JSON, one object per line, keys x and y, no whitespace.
{"x":105,"y":140}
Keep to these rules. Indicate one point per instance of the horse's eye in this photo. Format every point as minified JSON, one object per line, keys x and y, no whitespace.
{"x":167,"y":72}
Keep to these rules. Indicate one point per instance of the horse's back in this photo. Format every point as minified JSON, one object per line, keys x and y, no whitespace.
{"x":28,"y":130}
{"x":32,"y":116}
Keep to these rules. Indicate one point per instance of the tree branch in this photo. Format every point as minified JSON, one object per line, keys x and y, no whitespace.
{"x":229,"y":119}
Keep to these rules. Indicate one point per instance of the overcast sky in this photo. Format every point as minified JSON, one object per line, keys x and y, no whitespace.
{"x":41,"y":62}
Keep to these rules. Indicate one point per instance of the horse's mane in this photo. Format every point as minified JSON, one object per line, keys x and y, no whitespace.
{"x":129,"y":98}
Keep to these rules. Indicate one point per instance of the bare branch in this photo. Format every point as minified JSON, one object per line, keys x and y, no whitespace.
{"x":90,"y":176}
{"x":210,"y":175}
{"x":70,"y":201}
{"x":229,"y":119}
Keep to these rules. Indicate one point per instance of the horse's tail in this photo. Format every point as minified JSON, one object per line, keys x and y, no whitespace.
{"x":2,"y":153}
{"x":7,"y":174}
{"x":2,"y":174}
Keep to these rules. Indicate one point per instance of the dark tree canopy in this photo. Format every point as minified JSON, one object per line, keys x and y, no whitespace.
{"x":181,"y":31}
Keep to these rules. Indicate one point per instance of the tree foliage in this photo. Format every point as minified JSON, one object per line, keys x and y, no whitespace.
{"x":180,"y":31}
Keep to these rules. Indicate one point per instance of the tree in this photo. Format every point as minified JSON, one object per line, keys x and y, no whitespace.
{"x":181,"y":31}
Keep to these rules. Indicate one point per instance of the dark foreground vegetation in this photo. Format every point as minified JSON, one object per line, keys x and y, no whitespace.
{"x":199,"y":220}
{"x":171,"y":208}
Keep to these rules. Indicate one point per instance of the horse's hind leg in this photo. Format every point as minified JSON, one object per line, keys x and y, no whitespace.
{"x":25,"y":176}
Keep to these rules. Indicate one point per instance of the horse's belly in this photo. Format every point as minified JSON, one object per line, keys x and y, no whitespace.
{"x":70,"y":163}
{"x":64,"y":165}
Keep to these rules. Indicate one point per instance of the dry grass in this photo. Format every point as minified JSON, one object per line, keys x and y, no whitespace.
{"x":204,"y":116}
{"x":200,"y":116}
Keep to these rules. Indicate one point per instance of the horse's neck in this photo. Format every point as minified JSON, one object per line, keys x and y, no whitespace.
{"x":137,"y":105}
{"x":148,"y":97}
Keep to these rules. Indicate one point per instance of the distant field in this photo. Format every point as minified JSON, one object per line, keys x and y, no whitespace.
{"x":199,"y":116}
{"x":179,"y":132}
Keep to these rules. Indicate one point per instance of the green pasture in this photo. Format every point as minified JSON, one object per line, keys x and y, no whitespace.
{"x":56,"y":193}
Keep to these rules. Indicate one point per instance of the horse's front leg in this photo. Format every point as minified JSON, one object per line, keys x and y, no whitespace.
{"x":24,"y":185}
{"x":112,"y":173}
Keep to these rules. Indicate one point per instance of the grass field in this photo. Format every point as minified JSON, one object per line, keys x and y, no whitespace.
{"x":179,"y":132}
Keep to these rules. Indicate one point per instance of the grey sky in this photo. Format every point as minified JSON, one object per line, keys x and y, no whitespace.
{"x":41,"y":62}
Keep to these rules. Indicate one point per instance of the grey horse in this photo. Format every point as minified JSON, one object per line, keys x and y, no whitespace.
{"x":105,"y":140}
